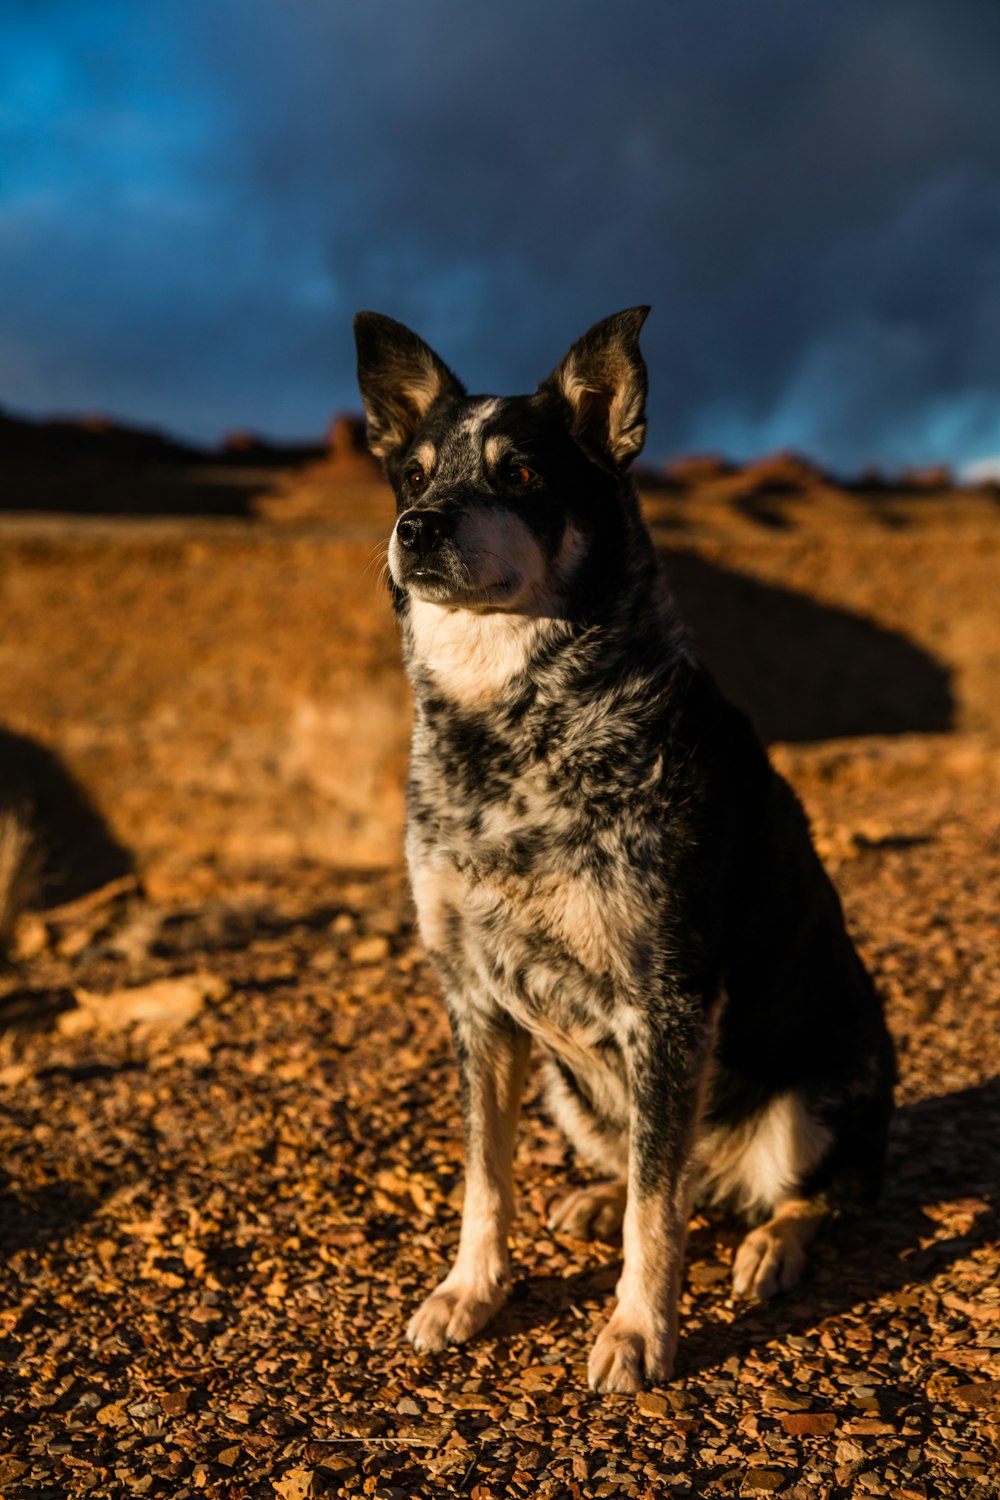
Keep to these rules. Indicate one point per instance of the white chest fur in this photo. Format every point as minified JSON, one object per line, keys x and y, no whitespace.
{"x":471,"y":655}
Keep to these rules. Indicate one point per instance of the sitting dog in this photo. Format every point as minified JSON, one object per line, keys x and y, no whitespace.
{"x":603,"y":859}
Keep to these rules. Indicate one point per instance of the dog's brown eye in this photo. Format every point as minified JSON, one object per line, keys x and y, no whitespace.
{"x":415,"y":479}
{"x":519,"y":474}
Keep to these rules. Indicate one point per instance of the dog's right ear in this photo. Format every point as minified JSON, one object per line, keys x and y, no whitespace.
{"x":400,"y":379}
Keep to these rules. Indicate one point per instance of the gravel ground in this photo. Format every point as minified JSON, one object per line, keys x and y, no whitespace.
{"x":222,"y":1193}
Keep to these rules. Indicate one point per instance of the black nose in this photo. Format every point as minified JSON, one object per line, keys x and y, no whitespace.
{"x":420,"y":531}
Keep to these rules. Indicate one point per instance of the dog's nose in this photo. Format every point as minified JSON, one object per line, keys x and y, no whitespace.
{"x":420,"y":531}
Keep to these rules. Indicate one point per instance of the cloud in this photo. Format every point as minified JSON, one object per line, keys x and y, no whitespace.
{"x":808,"y":195}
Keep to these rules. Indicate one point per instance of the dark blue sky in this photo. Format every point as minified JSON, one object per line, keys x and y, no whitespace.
{"x":196,"y":195}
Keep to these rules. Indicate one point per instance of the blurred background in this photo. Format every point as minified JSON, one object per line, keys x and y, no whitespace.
{"x":196,"y":198}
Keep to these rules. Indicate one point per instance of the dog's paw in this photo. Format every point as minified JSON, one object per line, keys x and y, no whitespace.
{"x":769,"y":1260}
{"x":628,"y":1357}
{"x":452,"y":1314}
{"x":594,"y":1212}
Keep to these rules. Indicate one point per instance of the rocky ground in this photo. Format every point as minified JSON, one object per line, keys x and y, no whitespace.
{"x":232,"y":1159}
{"x":229,"y":1128}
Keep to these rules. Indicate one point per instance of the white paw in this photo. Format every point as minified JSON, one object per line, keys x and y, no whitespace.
{"x":452,"y":1314}
{"x":594,"y":1212}
{"x":629,"y":1356}
{"x":769,"y":1260}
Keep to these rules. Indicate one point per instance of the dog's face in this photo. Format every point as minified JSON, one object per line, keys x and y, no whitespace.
{"x":498,"y":498}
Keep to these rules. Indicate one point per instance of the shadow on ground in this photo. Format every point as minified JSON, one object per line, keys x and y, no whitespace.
{"x":941,"y":1151}
{"x":804,"y":670}
{"x":76,"y":850}
{"x":46,"y":1216}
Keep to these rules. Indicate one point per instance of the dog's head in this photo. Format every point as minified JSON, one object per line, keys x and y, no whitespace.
{"x":498,"y":499}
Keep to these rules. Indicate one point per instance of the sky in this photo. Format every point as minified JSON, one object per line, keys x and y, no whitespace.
{"x":197,"y":195}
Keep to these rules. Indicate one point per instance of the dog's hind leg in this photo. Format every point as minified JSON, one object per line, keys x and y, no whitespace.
{"x":492,"y":1059}
{"x":594,"y":1212}
{"x":771,"y":1257}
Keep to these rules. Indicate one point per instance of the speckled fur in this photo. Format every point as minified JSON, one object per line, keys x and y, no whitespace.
{"x":602,"y":858}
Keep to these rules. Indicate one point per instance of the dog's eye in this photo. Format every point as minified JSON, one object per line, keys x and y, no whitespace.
{"x":416,"y":479}
{"x":519,"y":473}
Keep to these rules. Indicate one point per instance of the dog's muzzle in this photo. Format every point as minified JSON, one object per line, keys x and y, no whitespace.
{"x":421,"y":532}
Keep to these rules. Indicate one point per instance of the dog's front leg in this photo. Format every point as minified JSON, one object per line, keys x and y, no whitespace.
{"x":492,"y":1059}
{"x":666,"y":1064}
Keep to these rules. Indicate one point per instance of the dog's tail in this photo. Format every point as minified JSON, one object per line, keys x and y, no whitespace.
{"x":19,"y":872}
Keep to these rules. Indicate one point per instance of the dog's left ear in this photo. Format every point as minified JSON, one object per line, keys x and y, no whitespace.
{"x":400,"y":379}
{"x":603,"y":381}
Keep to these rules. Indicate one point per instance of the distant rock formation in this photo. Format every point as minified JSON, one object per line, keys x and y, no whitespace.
{"x":928,"y":477}
{"x":693,"y":469}
{"x":781,"y":473}
{"x":92,"y":465}
{"x":319,"y":491}
{"x":347,"y":453}
{"x":88,"y":439}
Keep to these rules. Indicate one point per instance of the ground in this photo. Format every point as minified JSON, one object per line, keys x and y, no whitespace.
{"x":231,"y":1166}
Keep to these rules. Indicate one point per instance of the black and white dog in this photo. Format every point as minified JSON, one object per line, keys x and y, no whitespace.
{"x":603,"y":859}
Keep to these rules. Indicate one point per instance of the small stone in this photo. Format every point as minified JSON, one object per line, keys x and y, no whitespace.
{"x":809,"y":1423}
{"x":778,"y":1400}
{"x":230,"y":1456}
{"x":981,"y":1393}
{"x":202,"y":1313}
{"x":652,"y":1403}
{"x":303,"y":1484}
{"x":175,"y":1403}
{"x":144,"y":1409}
{"x":370,"y":950}
{"x":763,"y":1481}
{"x":113,"y":1415}
{"x":369,"y":1424}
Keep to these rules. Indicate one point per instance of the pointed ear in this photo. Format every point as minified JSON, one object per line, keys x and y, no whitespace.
{"x":603,"y":382}
{"x":400,"y":379}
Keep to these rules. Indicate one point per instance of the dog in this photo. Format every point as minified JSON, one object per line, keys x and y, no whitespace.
{"x":603,"y":859}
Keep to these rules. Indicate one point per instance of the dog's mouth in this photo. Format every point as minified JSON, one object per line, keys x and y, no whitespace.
{"x":445,"y":576}
{"x":437,"y":586}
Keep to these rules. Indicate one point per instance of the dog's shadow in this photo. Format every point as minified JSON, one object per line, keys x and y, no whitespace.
{"x":804,"y":670}
{"x":942,"y":1150}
